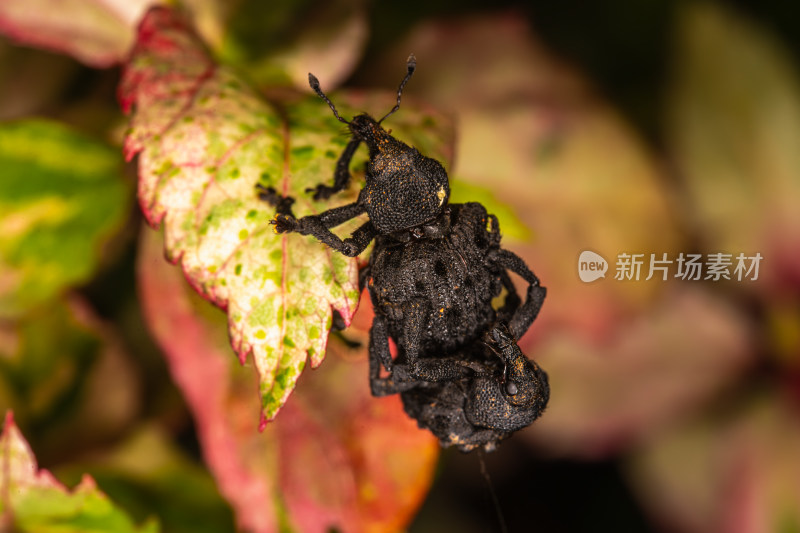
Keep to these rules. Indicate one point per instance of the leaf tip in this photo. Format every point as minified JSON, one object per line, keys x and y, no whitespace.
{"x":9,"y":426}
{"x":87,"y":484}
{"x":9,"y":422}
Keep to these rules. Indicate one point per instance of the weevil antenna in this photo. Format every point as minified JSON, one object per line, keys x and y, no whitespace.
{"x":411,"y":66}
{"x":314,"y":83}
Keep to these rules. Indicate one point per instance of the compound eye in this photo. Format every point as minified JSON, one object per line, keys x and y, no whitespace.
{"x":511,"y":388}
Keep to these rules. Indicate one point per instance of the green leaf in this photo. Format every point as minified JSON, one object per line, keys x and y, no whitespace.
{"x":205,"y":138}
{"x":61,"y":197}
{"x":34,"y":501}
{"x":150,"y":475}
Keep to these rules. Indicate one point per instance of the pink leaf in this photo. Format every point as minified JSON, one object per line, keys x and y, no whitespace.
{"x":737,"y":471}
{"x":336,"y":458}
{"x":96,"y":32}
{"x":653,"y":370}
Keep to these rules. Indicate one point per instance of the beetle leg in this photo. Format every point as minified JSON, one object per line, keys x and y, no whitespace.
{"x":379,"y":354}
{"x":319,"y":226}
{"x":282,"y":204}
{"x":526,"y":314}
{"x":338,"y":215}
{"x":341,"y":176}
{"x":428,"y":369}
{"x":363,"y":277}
{"x":360,"y":239}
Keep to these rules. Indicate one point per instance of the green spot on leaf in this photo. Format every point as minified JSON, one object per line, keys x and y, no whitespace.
{"x":302,"y":152}
{"x":310,"y":305}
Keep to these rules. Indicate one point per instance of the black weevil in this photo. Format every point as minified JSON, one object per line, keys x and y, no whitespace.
{"x":432,"y":276}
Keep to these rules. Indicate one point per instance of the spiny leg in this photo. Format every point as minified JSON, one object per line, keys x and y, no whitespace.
{"x":338,"y":215}
{"x":438,"y":370}
{"x":341,"y":176}
{"x":318,"y":227}
{"x":282,"y":204}
{"x":432,"y":369}
{"x":526,"y":314}
{"x":285,"y":222}
{"x":360,"y":239}
{"x":351,"y":246}
{"x":379,"y":354}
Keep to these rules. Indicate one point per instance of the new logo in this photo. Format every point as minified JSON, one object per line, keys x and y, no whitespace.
{"x":591,"y":266}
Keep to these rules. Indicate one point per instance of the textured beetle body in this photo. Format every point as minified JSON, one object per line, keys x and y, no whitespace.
{"x":478,"y":409}
{"x":432,"y":277}
{"x":434,"y":296}
{"x":449,"y":280}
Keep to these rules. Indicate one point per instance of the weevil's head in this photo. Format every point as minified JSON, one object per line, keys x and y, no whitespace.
{"x":511,"y":400}
{"x":404,"y":189}
{"x":525,"y":384}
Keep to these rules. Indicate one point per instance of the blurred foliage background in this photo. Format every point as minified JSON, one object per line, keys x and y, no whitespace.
{"x":616,"y":126}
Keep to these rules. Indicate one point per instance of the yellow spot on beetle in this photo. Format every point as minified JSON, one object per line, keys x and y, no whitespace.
{"x":440,"y":195}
